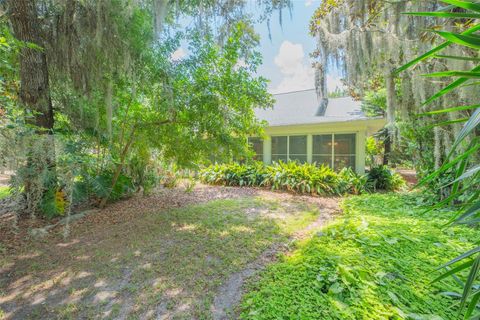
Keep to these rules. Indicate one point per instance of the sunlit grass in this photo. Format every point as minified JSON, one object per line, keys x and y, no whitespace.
{"x":177,"y":257}
{"x":4,"y":192}
{"x":377,"y":262}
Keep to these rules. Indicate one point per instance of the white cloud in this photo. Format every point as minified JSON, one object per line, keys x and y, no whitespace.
{"x":308,"y":3}
{"x":178,"y":54}
{"x":297,"y":72}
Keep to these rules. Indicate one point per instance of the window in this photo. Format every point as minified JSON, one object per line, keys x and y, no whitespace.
{"x":257,"y":147}
{"x":322,"y":149}
{"x":292,"y":148}
{"x":297,"y":148}
{"x":344,"y":151}
{"x":334,"y":150}
{"x":279,"y":149}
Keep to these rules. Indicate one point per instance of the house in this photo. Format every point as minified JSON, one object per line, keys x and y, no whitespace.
{"x":300,"y":128}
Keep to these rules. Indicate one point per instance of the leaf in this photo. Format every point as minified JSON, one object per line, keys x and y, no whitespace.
{"x":466,"y":174}
{"x":461,"y":257}
{"x":464,"y":4}
{"x":469,"y":283}
{"x":453,"y":271}
{"x":453,"y":109}
{"x":470,"y":41}
{"x":441,"y":56}
{"x":433,"y":51}
{"x":472,"y":305}
{"x":391,"y":241}
{"x":449,"y":164}
{"x":454,"y":15}
{"x":468,"y":127}
{"x":449,"y":88}
{"x":445,"y":123}
{"x":393,"y":297}
{"x":470,"y":211}
{"x":466,"y":74}
{"x":335,"y":289}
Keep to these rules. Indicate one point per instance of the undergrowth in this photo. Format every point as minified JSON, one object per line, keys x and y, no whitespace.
{"x":4,"y":192}
{"x":302,"y":178}
{"x":377,"y":262}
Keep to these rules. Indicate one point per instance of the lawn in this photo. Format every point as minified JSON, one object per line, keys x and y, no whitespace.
{"x":376,"y":262}
{"x":221,"y":253}
{"x":150,"y":263}
{"x":4,"y":192}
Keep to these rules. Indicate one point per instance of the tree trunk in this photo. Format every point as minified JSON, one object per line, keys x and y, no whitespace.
{"x":34,"y":84}
{"x":387,"y":143}
{"x":35,"y":98}
{"x":391,"y":106}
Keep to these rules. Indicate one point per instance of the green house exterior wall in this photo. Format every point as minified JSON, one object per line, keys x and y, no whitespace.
{"x":361,"y":129}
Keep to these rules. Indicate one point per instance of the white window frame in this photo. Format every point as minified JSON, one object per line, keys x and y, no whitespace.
{"x":288,"y":146}
{"x":332,"y":155}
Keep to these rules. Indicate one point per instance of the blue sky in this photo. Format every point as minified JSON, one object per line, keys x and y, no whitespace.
{"x":286,"y":61}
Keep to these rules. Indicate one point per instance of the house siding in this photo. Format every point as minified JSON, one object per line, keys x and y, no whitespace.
{"x":361,"y":129}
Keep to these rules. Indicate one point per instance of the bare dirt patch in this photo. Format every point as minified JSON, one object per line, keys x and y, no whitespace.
{"x":164,"y":256}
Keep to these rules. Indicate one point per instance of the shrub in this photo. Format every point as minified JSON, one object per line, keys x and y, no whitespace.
{"x":383,"y":178}
{"x":300,"y":178}
{"x":351,"y":182}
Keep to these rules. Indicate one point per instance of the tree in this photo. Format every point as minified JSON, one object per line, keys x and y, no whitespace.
{"x":462,"y":165}
{"x":367,"y":39}
{"x":35,"y":99}
{"x":118,"y":97}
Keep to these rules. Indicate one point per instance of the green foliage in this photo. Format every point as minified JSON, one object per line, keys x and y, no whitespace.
{"x":376,"y":262}
{"x":4,"y":192}
{"x":384,"y":178}
{"x":300,"y":178}
{"x":353,"y":183}
{"x":459,"y":172}
{"x":122,"y":105}
{"x":373,"y":149}
{"x":374,"y":102}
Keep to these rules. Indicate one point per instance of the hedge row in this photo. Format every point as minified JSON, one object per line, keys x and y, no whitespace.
{"x":302,"y":178}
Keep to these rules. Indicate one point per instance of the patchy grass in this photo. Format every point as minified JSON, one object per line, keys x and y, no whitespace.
{"x":4,"y":192}
{"x":377,"y":262}
{"x":166,"y":263}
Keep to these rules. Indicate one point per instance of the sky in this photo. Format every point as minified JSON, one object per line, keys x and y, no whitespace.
{"x":286,"y":56}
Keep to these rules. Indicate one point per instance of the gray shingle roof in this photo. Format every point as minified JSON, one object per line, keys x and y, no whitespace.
{"x":301,"y":107}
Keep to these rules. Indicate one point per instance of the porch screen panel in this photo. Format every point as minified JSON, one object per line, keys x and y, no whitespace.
{"x":257,"y":146}
{"x":344,"y":151}
{"x":297,"y":148}
{"x":322,"y":150}
{"x":280,"y":148}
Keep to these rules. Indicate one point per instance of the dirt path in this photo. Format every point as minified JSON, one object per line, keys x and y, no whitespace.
{"x":156,"y":257}
{"x":230,"y":293}
{"x":409,"y":175}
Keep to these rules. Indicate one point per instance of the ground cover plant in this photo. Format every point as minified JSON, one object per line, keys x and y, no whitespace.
{"x":4,"y":192}
{"x":376,"y":262}
{"x":302,"y":178}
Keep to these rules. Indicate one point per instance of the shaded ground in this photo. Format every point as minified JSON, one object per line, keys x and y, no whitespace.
{"x":409,"y":175}
{"x":4,"y":179}
{"x":173,"y":255}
